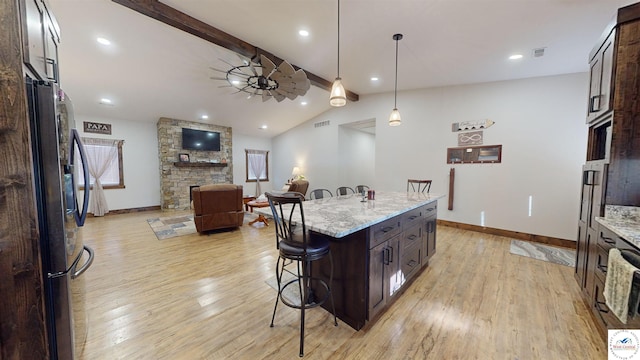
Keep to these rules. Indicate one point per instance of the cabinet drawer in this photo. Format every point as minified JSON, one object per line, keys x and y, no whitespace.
{"x":412,"y":236}
{"x":384,"y":231}
{"x":410,"y":263}
{"x":412,"y":217}
{"x":608,"y":318}
{"x":430,"y":209}
{"x":606,"y":238}
{"x":600,"y":266}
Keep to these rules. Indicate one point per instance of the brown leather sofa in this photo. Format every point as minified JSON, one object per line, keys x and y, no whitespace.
{"x":217,"y":206}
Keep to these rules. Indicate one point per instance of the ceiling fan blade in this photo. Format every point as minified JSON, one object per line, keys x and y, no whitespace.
{"x":286,"y":86}
{"x":267,"y":66}
{"x":266,"y":95}
{"x":286,"y":68}
{"x":277,"y":96}
{"x":299,"y":76}
{"x":222,"y":71}
{"x":217,"y":78}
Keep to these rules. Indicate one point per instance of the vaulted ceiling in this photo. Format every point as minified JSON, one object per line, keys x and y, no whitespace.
{"x":154,"y":70}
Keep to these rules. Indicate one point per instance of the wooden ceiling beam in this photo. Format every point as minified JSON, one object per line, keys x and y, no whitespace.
{"x":172,"y":17}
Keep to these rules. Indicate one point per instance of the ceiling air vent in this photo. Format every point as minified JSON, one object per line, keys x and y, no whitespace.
{"x":321,"y":124}
{"x":539,"y":52}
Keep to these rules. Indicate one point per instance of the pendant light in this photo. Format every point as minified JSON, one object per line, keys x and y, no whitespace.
{"x":338,"y":96}
{"x":394,"y":118}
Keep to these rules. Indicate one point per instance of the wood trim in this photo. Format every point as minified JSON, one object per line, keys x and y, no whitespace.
{"x":571,"y":244}
{"x":198,"y":164}
{"x":128,"y":211}
{"x":173,"y":17}
{"x":23,"y":331}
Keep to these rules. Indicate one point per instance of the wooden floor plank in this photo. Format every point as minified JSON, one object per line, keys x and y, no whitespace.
{"x":205,"y":297}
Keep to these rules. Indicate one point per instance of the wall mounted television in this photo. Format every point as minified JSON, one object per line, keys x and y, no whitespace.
{"x":200,"y":140}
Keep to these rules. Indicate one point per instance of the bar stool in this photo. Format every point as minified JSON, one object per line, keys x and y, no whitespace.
{"x":320,"y":194}
{"x":344,"y":190}
{"x":419,"y":185}
{"x":302,"y":247}
{"x":361,"y":188}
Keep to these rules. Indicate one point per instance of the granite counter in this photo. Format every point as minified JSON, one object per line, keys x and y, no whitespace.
{"x":624,"y":221}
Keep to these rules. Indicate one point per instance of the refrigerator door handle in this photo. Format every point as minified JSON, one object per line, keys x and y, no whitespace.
{"x":86,"y":265}
{"x":75,"y":139}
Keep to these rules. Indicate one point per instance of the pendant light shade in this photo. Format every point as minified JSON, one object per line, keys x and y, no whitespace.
{"x":338,"y":96}
{"x":394,"y":118}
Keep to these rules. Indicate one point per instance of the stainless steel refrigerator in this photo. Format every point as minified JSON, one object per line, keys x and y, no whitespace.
{"x":57,"y":150}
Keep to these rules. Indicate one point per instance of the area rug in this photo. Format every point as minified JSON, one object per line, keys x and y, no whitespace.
{"x":291,"y":293}
{"x":548,"y":253}
{"x":172,"y":226}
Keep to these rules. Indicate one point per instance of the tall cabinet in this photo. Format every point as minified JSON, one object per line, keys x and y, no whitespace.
{"x":611,"y":174}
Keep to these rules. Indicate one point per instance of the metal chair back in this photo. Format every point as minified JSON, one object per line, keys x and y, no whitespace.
{"x":344,"y":190}
{"x":419,"y":185}
{"x":320,"y":194}
{"x":283,"y":207}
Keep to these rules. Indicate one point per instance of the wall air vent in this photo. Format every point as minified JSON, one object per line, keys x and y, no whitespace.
{"x":539,"y":52}
{"x":321,"y":124}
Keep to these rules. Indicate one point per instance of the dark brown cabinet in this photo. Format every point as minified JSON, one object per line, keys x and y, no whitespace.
{"x":429,"y":233}
{"x":601,"y":65}
{"x":383,"y":274}
{"x":611,"y":175}
{"x":40,"y":40}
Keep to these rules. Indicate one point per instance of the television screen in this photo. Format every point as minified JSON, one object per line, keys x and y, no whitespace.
{"x":200,"y":140}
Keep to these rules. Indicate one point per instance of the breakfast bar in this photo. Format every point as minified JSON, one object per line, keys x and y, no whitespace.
{"x":378,"y":246}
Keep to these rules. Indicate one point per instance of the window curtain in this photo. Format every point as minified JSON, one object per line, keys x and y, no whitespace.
{"x":104,"y":152}
{"x":257,"y":163}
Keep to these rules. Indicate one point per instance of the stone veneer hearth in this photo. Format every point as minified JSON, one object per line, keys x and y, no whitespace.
{"x":174,"y":180}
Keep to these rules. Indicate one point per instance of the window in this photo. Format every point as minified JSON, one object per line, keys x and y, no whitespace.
{"x":105,"y":161}
{"x":257,"y":165}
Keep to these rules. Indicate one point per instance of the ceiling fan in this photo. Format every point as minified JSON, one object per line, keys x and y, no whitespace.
{"x":265,"y":79}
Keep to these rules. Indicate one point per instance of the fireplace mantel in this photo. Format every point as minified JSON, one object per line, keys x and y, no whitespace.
{"x":198,"y":164}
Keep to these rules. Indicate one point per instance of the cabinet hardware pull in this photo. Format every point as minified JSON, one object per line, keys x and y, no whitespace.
{"x":54,"y":68}
{"x":608,"y":240}
{"x":412,"y":263}
{"x":387,"y":229}
{"x":391,"y":254}
{"x":597,"y":305}
{"x":412,"y":237}
{"x":412,"y":217}
{"x":385,"y":256}
{"x":592,"y":102}
{"x":602,"y":268}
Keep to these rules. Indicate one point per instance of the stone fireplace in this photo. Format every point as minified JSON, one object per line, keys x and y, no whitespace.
{"x":204,"y":167}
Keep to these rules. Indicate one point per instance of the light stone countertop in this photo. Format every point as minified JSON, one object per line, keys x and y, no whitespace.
{"x":340,"y":216}
{"x":624,"y":221}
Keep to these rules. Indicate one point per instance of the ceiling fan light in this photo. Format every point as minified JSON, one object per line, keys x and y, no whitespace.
{"x":394,"y":118}
{"x":338,"y":96}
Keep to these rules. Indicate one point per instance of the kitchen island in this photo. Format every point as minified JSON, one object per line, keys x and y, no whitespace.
{"x":378,"y":247}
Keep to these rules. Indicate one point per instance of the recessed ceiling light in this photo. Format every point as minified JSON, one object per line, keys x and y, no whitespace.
{"x":263,"y":127}
{"x":515,"y":57}
{"x":374,"y":78}
{"x":303,"y":103}
{"x":103,"y":41}
{"x":106,"y":101}
{"x":204,"y":117}
{"x":303,"y":33}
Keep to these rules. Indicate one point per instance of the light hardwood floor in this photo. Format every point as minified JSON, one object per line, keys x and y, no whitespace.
{"x":205,"y":297}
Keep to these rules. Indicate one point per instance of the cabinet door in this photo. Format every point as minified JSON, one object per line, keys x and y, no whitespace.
{"x":33,"y":37}
{"x":582,"y":252}
{"x":384,"y":277}
{"x":429,"y":239}
{"x":51,"y":42}
{"x":378,"y":258}
{"x":600,"y":80}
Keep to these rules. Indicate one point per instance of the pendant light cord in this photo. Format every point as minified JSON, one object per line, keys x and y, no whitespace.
{"x":395,"y":92}
{"x":338,"y":38}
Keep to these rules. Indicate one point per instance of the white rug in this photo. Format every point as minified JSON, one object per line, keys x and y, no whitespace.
{"x":554,"y":254}
{"x":291,"y":293}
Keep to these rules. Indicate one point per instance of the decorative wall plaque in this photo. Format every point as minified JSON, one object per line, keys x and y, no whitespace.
{"x":471,"y":125}
{"x":470,"y":138}
{"x":97,"y":128}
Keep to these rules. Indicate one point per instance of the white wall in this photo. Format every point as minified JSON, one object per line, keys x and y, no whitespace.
{"x":539,"y":121}
{"x":139,"y":160}
{"x":240,"y":143}
{"x":356,"y":151}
